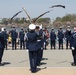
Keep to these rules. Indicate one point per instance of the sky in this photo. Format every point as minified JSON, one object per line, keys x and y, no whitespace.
{"x":36,"y":7}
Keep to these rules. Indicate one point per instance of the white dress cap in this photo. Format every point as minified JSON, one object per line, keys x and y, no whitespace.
{"x":32,"y":26}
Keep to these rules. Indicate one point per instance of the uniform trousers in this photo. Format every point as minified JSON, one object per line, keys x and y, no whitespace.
{"x":33,"y":60}
{"x":1,"y":54}
{"x":60,"y":43}
{"x":74,"y":55}
{"x":67,"y":44}
{"x":52,"y":43}
{"x":39,"y":56}
{"x":22,"y":44}
{"x":13,"y":44}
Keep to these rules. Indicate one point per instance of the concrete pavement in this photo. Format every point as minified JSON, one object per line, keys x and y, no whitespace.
{"x":55,"y":62}
{"x":48,"y":71}
{"x":51,"y":58}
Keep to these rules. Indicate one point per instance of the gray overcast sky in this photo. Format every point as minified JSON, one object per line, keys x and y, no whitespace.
{"x":36,"y":7}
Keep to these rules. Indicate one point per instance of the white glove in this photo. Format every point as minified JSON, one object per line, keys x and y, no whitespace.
{"x":72,"y":48}
{"x":38,"y":40}
{"x":44,"y":43}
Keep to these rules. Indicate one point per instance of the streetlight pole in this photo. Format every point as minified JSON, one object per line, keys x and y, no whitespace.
{"x":52,"y":23}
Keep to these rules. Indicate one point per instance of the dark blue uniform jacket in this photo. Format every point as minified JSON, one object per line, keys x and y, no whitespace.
{"x":5,"y":35}
{"x":68,"y":35}
{"x":73,"y":40}
{"x":52,"y":35}
{"x":32,"y":41}
{"x":14,"y":34}
{"x":21,"y":35}
{"x":41,"y":40}
{"x":60,"y":35}
{"x":1,"y":41}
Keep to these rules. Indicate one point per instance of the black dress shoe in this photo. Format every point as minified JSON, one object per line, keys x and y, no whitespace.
{"x":54,"y":48}
{"x":1,"y":64}
{"x":73,"y":64}
{"x":38,"y":64}
{"x":34,"y":71}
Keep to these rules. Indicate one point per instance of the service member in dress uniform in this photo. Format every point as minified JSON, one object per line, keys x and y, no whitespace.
{"x":60,"y":37}
{"x":73,"y":46}
{"x":21,"y":37}
{"x":68,"y":37}
{"x":40,"y":42}
{"x":5,"y":36}
{"x":32,"y":47}
{"x":2,"y":46}
{"x":14,"y":36}
{"x":53,"y":38}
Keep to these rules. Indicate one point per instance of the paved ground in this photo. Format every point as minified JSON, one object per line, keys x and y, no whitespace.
{"x":51,"y":58}
{"x":55,"y":62}
{"x":48,"y":71}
